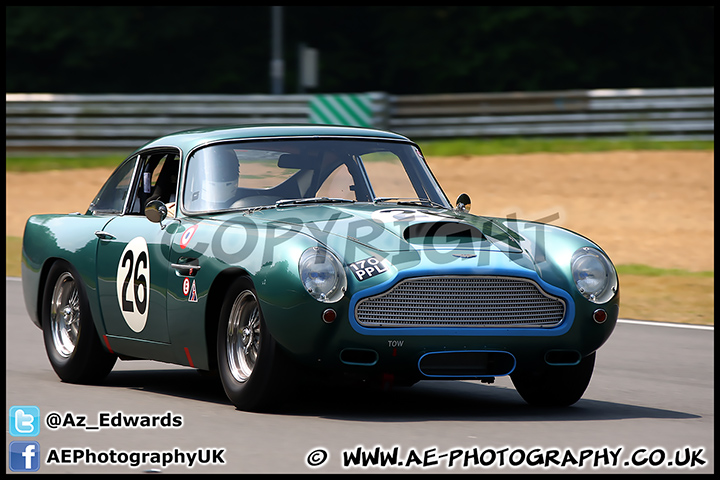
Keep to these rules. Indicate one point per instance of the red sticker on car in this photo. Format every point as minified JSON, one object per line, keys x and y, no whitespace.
{"x":187,"y":235}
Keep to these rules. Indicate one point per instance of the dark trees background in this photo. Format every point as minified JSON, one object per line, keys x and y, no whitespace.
{"x":400,"y":50}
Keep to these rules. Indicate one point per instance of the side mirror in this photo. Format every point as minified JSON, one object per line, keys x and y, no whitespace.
{"x":462,"y":204}
{"x":156,"y":211}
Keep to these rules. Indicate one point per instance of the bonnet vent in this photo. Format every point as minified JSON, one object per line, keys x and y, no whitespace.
{"x":442,"y":231}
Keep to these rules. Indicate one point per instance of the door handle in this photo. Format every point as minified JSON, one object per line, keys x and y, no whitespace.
{"x":186,"y":269}
{"x":104,"y":235}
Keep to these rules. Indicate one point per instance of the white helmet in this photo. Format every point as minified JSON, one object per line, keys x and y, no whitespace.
{"x":216,"y":173}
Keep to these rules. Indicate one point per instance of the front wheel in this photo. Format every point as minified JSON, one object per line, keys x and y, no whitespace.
{"x":71,"y":340}
{"x":251,"y":366}
{"x":555,"y":386}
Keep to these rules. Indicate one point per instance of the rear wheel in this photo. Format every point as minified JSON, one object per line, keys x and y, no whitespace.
{"x":251,"y":366}
{"x":555,"y":386}
{"x":71,"y":340}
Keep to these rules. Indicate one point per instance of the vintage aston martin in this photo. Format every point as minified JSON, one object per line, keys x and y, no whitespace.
{"x":270,"y":254}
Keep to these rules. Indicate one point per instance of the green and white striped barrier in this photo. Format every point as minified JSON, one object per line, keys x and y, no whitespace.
{"x":342,"y":109}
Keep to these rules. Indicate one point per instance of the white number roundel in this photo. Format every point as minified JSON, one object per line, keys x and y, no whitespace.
{"x":133,"y":283}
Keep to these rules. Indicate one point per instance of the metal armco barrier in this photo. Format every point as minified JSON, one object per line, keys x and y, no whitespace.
{"x":104,"y":122}
{"x":673,"y":114}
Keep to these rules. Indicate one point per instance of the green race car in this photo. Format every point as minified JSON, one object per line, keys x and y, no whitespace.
{"x":275,"y":253}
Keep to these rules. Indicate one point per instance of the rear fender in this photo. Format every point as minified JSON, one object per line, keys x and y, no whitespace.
{"x":48,"y":238}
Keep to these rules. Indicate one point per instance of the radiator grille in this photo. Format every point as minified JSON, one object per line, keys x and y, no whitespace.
{"x":467,"y":301}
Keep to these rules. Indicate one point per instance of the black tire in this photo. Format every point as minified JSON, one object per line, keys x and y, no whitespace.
{"x":252,"y":368}
{"x":555,"y":386}
{"x":71,"y":340}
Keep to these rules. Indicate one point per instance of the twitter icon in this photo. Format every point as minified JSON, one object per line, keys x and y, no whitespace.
{"x":24,"y":421}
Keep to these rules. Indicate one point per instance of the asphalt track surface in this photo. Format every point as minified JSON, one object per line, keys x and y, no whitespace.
{"x":649,"y":409}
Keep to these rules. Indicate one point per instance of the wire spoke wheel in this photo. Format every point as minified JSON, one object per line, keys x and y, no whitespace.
{"x":243,"y":336}
{"x":253,"y":370}
{"x":65,"y":315}
{"x":71,"y":341}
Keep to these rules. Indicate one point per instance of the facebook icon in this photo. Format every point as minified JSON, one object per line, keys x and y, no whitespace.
{"x":24,"y":456}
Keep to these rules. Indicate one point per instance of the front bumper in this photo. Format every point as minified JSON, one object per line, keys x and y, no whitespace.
{"x":444,"y":351}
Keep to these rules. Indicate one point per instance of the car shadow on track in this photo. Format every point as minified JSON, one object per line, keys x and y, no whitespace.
{"x":175,"y":382}
{"x":426,"y":400}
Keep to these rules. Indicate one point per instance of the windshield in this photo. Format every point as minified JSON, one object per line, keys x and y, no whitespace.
{"x":292,"y":172}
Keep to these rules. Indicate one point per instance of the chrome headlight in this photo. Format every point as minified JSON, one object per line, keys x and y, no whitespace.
{"x":322,"y":275}
{"x":594,"y":274}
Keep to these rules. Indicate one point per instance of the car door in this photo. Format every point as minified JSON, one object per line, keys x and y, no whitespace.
{"x":133,"y":261}
{"x":132,"y":279}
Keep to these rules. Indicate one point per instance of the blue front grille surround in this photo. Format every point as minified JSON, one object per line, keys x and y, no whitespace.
{"x":503,"y":314}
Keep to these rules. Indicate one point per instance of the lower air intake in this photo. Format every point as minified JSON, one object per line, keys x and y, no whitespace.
{"x":466,"y":364}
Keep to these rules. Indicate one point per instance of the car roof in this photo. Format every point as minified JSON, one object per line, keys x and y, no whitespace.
{"x":189,"y":139}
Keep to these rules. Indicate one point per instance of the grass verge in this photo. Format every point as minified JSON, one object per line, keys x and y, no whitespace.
{"x":16,"y":162}
{"x":518,"y":145}
{"x":41,"y":163}
{"x":647,"y":293}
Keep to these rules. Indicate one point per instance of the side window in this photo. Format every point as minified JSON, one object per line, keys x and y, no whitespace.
{"x":112,"y":196}
{"x":388,"y":175}
{"x":157,"y":181}
{"x":339,"y":184}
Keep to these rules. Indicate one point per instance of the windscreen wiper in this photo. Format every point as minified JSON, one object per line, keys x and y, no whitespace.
{"x":301,"y":201}
{"x":409,"y":201}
